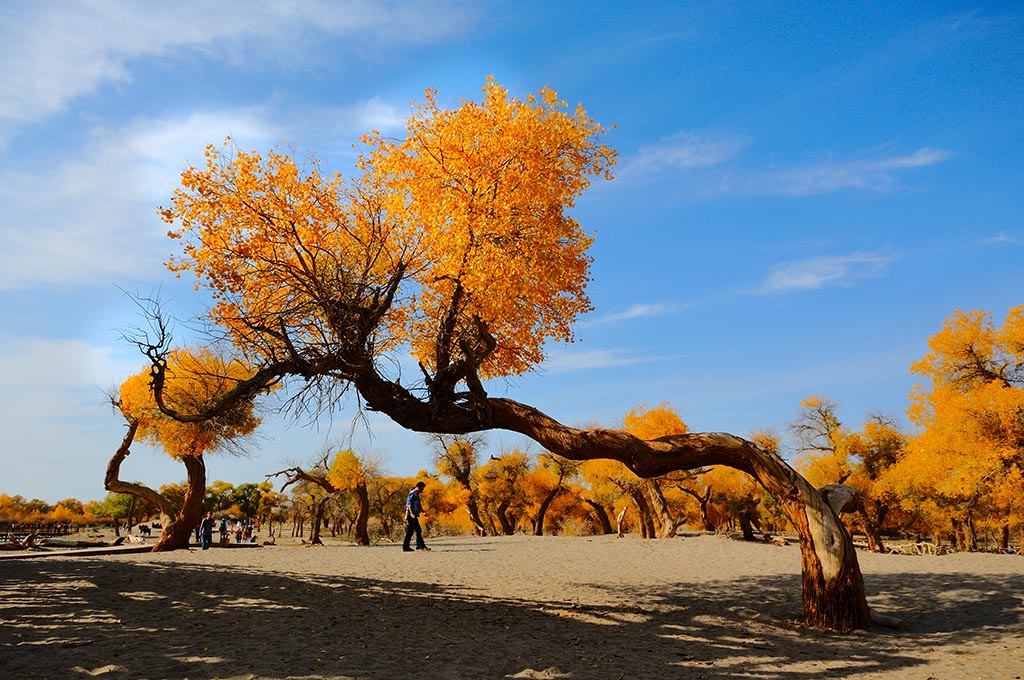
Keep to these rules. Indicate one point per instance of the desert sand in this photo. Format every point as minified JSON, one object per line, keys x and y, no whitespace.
{"x":699,"y":606}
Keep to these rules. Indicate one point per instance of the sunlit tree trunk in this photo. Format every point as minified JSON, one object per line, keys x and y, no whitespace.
{"x":833,"y":587}
{"x":179,"y":530}
{"x":178,"y":523}
{"x":668,"y":525}
{"x":362,"y":532}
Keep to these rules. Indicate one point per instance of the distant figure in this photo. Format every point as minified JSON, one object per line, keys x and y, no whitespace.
{"x":413,"y":510}
{"x":206,"y":529}
{"x":223,"y":530}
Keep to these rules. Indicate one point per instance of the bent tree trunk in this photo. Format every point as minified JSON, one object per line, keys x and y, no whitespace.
{"x":538,"y":523}
{"x":178,"y":531}
{"x":178,"y":523}
{"x":833,"y":587}
{"x":602,"y":516}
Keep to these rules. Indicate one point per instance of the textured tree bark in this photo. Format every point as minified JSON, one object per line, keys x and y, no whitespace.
{"x":178,"y":531}
{"x":362,"y":532}
{"x":833,"y":587}
{"x":178,"y":524}
{"x":667,"y":524}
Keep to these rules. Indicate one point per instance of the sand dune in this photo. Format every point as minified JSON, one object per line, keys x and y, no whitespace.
{"x":513,"y":607}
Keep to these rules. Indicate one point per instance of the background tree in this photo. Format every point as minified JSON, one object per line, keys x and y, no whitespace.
{"x":190,"y":382}
{"x":352,"y":473}
{"x":455,"y":242}
{"x":502,"y":491}
{"x":115,"y":508}
{"x":456,"y":457}
{"x":551,"y":476}
{"x":969,"y":453}
{"x":246,"y":498}
{"x":651,"y":424}
{"x":820,"y":436}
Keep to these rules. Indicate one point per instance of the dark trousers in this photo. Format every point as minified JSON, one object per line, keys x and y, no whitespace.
{"x":412,"y":524}
{"x":207,"y":540}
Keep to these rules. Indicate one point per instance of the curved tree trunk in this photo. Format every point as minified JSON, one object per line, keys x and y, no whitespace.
{"x":833,"y":587}
{"x":362,"y":532}
{"x":602,"y":516}
{"x":702,"y":501}
{"x":178,"y":523}
{"x":538,"y":524}
{"x":507,"y":527}
{"x":668,"y":524}
{"x":179,"y":530}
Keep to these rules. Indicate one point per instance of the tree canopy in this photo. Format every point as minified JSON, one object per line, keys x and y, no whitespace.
{"x":455,"y":244}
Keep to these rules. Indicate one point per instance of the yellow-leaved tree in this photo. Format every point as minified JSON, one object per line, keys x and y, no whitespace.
{"x":192,"y":381}
{"x":457,"y":242}
{"x":968,"y":456}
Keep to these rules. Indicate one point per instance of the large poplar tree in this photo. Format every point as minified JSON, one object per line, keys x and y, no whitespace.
{"x":454,"y":243}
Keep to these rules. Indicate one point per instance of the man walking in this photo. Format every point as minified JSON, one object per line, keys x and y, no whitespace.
{"x":206,"y":530}
{"x":413,"y":510}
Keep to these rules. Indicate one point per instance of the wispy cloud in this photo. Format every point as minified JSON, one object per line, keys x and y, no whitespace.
{"x":639,"y":311}
{"x":682,"y":151}
{"x":711,"y":165}
{"x":1002,"y":238}
{"x":58,"y":51}
{"x":822,"y":272}
{"x":59,"y":222}
{"x":872,"y":174}
{"x":568,"y":361}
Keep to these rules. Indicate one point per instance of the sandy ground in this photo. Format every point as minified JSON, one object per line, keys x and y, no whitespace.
{"x":513,"y":607}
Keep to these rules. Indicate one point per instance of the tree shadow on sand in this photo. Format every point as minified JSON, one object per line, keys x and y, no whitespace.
{"x":77,"y":617}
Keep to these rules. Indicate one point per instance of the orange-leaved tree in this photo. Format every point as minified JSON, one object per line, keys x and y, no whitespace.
{"x":969,"y":453}
{"x":650,"y":424}
{"x":455,"y":241}
{"x":192,"y":381}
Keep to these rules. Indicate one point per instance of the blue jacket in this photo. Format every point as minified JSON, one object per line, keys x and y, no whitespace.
{"x":412,"y":503}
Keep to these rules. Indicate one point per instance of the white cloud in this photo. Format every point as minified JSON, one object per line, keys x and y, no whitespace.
{"x":821,"y":272}
{"x":92,"y":216}
{"x":878,"y":174}
{"x":682,"y":151}
{"x":638,"y":311}
{"x":48,"y":377}
{"x":701,"y":155}
{"x":1002,"y":238}
{"x":55,"y":52}
{"x":568,"y":361}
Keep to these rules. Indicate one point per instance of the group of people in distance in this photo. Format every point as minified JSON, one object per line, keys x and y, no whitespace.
{"x":243,"y":529}
{"x":204,"y":532}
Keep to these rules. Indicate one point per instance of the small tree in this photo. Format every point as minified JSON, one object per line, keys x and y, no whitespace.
{"x":190,"y":381}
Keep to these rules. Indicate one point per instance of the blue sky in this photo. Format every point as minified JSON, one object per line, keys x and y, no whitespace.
{"x":804,"y":192}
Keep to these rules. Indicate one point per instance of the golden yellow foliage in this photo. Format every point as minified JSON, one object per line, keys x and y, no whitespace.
{"x":971,"y":443}
{"x":468,"y":211}
{"x":194,"y":379}
{"x":660,"y":421}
